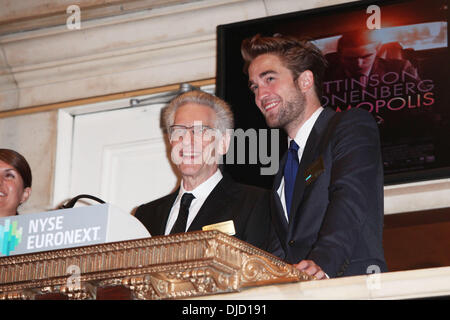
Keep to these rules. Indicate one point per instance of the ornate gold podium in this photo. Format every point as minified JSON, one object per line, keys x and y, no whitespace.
{"x":165,"y":267}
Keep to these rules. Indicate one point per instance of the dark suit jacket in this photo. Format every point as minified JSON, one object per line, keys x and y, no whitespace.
{"x":337,"y":217}
{"x":247,"y":206}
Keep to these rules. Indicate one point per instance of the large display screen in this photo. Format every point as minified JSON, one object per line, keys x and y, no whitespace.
{"x":388,"y":57}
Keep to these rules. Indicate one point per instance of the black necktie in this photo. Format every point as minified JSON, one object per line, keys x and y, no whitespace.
{"x":290,"y":173}
{"x":180,"y":224}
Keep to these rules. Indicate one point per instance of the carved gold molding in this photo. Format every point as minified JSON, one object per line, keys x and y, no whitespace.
{"x":164,"y":267}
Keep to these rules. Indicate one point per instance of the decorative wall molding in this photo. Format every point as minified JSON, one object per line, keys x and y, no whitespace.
{"x":99,"y":99}
{"x":417,"y":196}
{"x":20,"y":16}
{"x":121,"y":46}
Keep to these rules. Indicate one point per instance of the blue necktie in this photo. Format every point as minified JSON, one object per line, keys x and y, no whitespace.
{"x":290,"y":172}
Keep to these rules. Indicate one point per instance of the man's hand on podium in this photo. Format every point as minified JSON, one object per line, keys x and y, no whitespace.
{"x":311,"y":269}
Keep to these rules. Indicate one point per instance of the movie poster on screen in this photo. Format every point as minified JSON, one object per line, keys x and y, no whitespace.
{"x":398,"y":72}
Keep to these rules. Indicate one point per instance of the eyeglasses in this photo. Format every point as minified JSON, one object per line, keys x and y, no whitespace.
{"x":179,"y":131}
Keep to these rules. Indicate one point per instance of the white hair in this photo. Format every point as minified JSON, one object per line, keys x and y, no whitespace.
{"x":224,"y":115}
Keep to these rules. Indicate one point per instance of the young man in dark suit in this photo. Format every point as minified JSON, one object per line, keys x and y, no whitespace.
{"x":198,"y":126}
{"x":328,"y":194}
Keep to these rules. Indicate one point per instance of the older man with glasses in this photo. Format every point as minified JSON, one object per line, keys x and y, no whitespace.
{"x":198,"y":126}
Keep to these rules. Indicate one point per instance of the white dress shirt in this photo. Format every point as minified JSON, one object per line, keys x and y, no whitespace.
{"x":300,"y":139}
{"x":201,"y":192}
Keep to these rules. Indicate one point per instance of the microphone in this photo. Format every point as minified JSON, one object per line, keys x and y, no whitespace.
{"x":72,"y":201}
